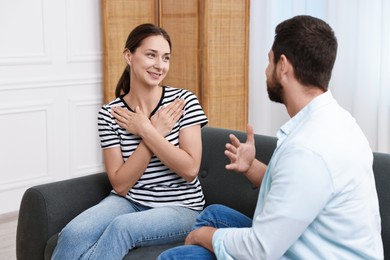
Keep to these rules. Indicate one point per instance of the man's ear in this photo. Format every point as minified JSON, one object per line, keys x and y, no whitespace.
{"x":283,"y":63}
{"x":285,"y":66}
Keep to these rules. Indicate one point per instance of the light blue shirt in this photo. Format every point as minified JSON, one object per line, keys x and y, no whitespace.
{"x":318,"y":198}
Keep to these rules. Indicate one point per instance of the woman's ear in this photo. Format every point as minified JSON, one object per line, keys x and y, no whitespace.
{"x":127,"y":56}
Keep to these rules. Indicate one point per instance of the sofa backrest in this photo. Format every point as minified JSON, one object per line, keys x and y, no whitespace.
{"x":238,"y":192}
{"x":382,"y":179}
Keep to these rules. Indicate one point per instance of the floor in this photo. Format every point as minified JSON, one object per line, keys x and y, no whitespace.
{"x":8,"y":224}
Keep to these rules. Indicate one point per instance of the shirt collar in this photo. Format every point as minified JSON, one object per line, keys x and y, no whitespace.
{"x":291,"y":124}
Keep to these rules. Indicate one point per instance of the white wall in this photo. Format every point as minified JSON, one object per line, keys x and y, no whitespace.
{"x":361,"y":78}
{"x":50,"y":91}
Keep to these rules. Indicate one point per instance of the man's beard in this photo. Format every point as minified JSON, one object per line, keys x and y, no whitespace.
{"x":275,"y":90}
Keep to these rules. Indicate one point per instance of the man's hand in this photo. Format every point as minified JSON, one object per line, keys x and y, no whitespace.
{"x":241,"y":155}
{"x":202,"y":236}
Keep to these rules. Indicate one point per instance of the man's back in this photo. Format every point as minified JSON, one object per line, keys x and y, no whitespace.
{"x":317,"y":198}
{"x":322,"y":170}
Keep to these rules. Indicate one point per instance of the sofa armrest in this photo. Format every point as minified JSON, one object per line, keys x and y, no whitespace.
{"x":45,"y":209}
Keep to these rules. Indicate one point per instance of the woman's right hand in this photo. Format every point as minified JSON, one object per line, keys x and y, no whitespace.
{"x":166,"y":117}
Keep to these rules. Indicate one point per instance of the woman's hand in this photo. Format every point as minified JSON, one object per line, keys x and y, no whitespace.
{"x":133,"y":122}
{"x":185,"y":159}
{"x":165,"y":118}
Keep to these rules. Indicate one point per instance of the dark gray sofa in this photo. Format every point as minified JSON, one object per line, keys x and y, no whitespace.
{"x":47,"y":208}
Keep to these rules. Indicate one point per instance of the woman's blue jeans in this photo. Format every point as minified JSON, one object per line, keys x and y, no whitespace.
{"x":218,"y":216}
{"x":116,"y":225}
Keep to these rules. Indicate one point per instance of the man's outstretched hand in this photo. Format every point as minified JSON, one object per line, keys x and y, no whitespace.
{"x":241,"y":155}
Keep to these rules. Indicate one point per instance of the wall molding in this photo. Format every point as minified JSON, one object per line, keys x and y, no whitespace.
{"x":25,"y":108}
{"x":74,"y":56}
{"x":13,"y":185}
{"x":75,"y":104}
{"x":47,"y":82}
{"x":87,"y":170}
{"x":19,"y":57}
{"x":32,"y":59}
{"x":50,"y":56}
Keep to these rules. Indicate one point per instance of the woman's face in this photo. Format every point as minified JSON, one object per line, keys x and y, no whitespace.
{"x":150,"y":62}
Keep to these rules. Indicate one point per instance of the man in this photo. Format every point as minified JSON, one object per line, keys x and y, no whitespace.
{"x":317,"y":198}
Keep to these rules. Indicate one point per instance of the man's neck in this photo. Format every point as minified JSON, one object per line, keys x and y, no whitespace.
{"x":300,"y":97}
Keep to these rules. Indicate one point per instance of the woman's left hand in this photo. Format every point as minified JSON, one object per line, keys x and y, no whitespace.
{"x":132,"y":122}
{"x":166,"y":117}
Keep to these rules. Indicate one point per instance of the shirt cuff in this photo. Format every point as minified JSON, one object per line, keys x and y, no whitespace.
{"x":218,"y":245}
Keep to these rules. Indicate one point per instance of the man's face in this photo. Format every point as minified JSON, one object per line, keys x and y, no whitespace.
{"x":274,"y":88}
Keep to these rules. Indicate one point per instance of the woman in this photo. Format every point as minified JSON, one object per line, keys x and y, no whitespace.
{"x":151,"y":140}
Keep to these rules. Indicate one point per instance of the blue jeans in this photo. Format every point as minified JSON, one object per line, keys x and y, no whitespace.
{"x":218,"y":216}
{"x":116,"y":225}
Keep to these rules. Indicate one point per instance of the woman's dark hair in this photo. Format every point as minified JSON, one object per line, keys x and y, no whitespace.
{"x":134,"y":40}
{"x":310,"y":45}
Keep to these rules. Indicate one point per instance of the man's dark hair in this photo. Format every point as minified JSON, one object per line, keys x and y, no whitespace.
{"x":310,"y":45}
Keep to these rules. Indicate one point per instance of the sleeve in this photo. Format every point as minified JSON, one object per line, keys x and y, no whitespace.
{"x":299,"y":187}
{"x":108,"y":135}
{"x":218,"y":247}
{"x":193,"y":112}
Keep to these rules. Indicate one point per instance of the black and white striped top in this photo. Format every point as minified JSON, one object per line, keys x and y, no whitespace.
{"x":158,"y":186}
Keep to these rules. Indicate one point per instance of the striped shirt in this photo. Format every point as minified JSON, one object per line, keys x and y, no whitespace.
{"x":158,"y":186}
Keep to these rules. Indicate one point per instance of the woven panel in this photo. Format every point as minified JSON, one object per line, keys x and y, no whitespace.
{"x":119,"y":18}
{"x":209,"y":50}
{"x":226,"y":29}
{"x":181,"y":20}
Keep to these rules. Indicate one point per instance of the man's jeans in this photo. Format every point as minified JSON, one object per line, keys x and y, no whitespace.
{"x":218,"y":216}
{"x":115,"y":225}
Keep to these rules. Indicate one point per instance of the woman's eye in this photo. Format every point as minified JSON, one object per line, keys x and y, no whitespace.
{"x":151,"y":55}
{"x":167,"y":58}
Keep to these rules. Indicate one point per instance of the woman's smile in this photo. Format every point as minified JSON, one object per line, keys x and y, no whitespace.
{"x":154,"y":75}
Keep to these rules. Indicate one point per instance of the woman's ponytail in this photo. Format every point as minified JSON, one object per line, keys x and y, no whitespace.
{"x":123,"y":86}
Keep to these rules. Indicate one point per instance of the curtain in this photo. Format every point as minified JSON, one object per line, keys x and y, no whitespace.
{"x":361,"y":75}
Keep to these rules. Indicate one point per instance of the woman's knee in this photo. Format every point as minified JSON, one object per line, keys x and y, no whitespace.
{"x":73,"y":232}
{"x":119,"y":224}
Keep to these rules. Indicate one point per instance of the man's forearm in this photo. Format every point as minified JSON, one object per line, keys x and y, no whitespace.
{"x":202,"y":236}
{"x":256,"y":172}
